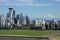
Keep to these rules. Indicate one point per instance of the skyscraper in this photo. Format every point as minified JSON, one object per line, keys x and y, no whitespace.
{"x":0,"y":19}
{"x":43,"y":24}
{"x":13,"y":16}
{"x":8,"y":14}
{"x":4,"y":19}
{"x":21,"y":19}
{"x":15,"y":21}
{"x":13,"y":13}
{"x":17,"y":17}
{"x":27,"y":20}
{"x":8,"y":19}
{"x":38,"y":22}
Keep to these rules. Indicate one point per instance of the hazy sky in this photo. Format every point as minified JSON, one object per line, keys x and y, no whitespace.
{"x":32,"y":8}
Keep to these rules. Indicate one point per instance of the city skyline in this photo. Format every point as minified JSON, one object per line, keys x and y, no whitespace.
{"x":32,"y":8}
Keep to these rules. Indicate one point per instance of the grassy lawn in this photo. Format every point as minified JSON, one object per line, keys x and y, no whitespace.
{"x":58,"y":35}
{"x":28,"y":32}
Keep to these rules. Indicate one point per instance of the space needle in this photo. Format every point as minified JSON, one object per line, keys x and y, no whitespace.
{"x":10,"y":12}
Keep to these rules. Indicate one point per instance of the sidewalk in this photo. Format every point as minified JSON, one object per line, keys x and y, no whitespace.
{"x":25,"y":36}
{"x":51,"y":35}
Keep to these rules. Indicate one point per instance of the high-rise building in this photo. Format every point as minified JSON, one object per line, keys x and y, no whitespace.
{"x":8,"y":19}
{"x":56,"y":24}
{"x":15,"y":21}
{"x":4,"y":19}
{"x":33,"y":22}
{"x":17,"y":17}
{"x":0,"y":19}
{"x":24,"y":22}
{"x":8,"y":14}
{"x":27,"y":20}
{"x":43,"y":24}
{"x":38,"y":22}
{"x":13,"y":16}
{"x":13,"y":13}
{"x":21,"y":18}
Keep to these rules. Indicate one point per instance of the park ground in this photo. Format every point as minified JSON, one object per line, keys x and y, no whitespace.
{"x":51,"y":34}
{"x":28,"y":32}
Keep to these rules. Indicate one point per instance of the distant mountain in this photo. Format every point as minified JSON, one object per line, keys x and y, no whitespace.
{"x":47,"y":18}
{"x":52,"y":19}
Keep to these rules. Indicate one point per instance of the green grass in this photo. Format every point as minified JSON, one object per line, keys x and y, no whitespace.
{"x":58,"y":35}
{"x":28,"y":32}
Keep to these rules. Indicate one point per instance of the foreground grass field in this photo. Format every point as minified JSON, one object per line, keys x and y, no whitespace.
{"x":28,"y":32}
{"x":58,"y":35}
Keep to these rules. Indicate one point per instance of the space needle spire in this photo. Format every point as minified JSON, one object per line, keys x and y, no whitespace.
{"x":10,"y":12}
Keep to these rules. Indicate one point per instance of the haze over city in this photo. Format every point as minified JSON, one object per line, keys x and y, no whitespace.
{"x":33,"y":8}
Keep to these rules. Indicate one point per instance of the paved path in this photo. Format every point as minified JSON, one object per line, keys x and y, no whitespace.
{"x":51,"y":35}
{"x":19,"y":38}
